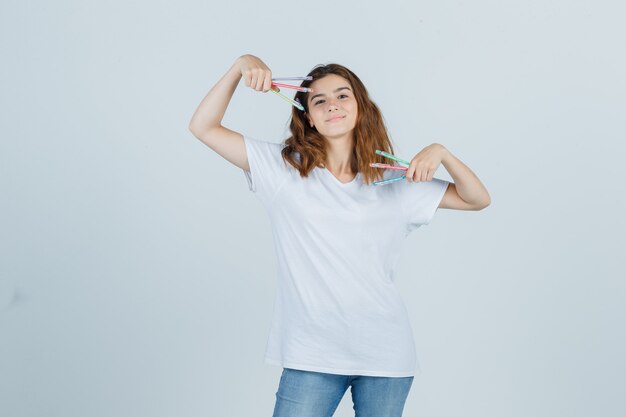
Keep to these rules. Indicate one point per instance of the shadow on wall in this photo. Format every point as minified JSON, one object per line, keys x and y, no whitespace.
{"x":11,"y":298}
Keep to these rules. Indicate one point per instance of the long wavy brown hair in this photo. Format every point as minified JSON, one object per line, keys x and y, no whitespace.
{"x":369,"y":132}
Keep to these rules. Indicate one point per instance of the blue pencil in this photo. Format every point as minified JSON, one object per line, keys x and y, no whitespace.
{"x":388,"y":181}
{"x":307,"y":78}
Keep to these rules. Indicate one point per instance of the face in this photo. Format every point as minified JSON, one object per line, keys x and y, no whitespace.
{"x":332,"y":106}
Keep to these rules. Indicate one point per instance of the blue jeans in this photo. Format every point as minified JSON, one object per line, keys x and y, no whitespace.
{"x":315,"y":394}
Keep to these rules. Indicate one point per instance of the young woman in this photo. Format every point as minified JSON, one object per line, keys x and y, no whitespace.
{"x":338,"y":319}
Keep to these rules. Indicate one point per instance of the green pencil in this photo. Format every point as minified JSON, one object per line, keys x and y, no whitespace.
{"x":295,"y":103}
{"x":387,"y":155}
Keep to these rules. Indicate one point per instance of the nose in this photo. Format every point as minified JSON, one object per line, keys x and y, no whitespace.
{"x":332,"y":104}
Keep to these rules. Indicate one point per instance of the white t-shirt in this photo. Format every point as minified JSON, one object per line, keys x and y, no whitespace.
{"x":337,"y":309}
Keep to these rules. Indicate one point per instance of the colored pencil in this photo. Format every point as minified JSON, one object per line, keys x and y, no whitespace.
{"x":385,"y":166}
{"x":295,"y":103}
{"x":395,"y":158}
{"x":308,"y":78}
{"x":388,"y":181}
{"x":295,"y":87}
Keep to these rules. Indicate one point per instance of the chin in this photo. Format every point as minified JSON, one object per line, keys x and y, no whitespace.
{"x":333,"y":135}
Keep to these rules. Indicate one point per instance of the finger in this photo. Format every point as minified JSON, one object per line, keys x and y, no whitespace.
{"x":260,"y":80}
{"x":253,"y":78}
{"x":430,"y":175}
{"x":268,"y":82}
{"x":409,"y":173}
{"x":417,"y":172}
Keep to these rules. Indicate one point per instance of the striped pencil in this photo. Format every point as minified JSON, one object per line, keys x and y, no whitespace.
{"x":395,"y":158}
{"x":386,"y":166}
{"x":307,"y":78}
{"x":388,"y":181}
{"x":295,"y":103}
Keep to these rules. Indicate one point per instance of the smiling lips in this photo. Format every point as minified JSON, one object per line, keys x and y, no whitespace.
{"x":334,"y":119}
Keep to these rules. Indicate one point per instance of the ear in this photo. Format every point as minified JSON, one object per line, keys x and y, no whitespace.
{"x":309,"y":119}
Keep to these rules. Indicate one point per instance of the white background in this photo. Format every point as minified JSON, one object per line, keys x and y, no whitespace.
{"x":137,"y":269}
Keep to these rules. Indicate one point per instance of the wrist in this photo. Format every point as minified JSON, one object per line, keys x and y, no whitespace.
{"x":234,"y":70}
{"x":444,"y":152}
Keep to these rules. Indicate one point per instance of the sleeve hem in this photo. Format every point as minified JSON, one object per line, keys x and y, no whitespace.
{"x":250,"y":177}
{"x":437,"y":201}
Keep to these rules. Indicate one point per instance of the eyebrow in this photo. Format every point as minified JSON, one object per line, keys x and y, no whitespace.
{"x":339,"y":89}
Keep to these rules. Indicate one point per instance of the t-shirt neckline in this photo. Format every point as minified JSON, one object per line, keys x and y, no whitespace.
{"x":343,"y":184}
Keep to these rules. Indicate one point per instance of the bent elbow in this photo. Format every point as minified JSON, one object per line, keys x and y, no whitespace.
{"x":484,"y":205}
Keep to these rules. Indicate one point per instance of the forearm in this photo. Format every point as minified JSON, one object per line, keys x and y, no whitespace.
{"x":211,"y":110}
{"x":468,"y":186}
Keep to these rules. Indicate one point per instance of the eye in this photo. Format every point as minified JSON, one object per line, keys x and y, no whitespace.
{"x":321,"y":101}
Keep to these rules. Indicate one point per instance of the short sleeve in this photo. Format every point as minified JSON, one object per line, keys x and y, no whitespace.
{"x":420,"y":200}
{"x":268,"y":170}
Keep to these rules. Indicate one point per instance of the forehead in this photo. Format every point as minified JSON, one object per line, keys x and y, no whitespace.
{"x":329,"y":83}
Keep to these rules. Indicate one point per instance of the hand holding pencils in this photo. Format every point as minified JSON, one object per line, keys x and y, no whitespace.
{"x":295,"y":87}
{"x":394,"y":167}
{"x":255,"y":73}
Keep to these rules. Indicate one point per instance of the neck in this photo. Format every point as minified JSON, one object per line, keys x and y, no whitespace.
{"x":339,"y":155}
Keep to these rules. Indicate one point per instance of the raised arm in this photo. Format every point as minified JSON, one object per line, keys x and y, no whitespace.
{"x":206,"y":123}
